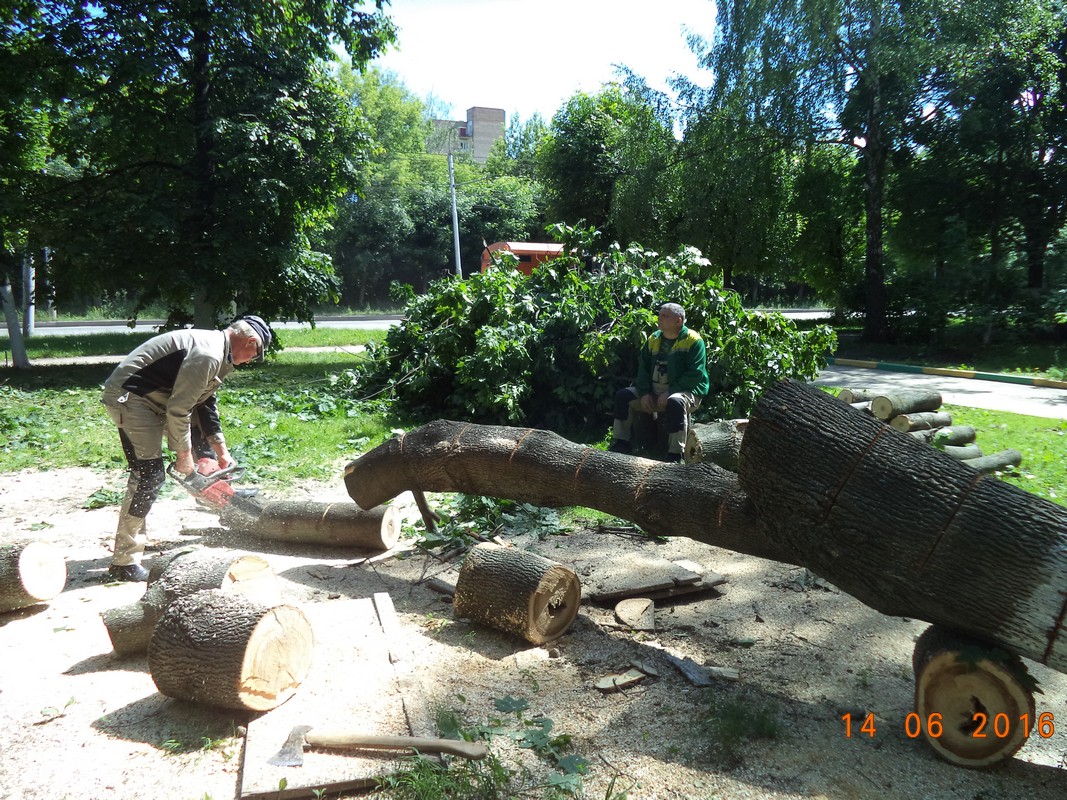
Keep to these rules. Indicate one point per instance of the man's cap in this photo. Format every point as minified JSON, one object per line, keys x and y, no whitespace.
{"x":261,"y":329}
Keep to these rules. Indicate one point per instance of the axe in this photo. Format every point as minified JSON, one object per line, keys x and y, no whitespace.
{"x":292,"y":752}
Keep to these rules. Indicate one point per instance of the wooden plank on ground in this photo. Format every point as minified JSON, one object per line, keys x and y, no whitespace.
{"x":352,"y":686}
{"x":405,"y":667}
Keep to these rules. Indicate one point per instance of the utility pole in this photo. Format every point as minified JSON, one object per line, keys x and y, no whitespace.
{"x":455,"y":214}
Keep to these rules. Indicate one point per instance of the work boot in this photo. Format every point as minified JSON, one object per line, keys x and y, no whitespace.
{"x":133,"y":573}
{"x":130,"y":538}
{"x":620,"y":446}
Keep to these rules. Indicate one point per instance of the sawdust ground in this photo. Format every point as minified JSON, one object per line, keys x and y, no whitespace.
{"x":80,"y":723}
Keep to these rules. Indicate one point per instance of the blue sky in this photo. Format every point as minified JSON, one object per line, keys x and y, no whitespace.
{"x":529,"y":56}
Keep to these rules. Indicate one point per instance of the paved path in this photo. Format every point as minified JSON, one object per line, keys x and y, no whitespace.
{"x":1036,"y":401}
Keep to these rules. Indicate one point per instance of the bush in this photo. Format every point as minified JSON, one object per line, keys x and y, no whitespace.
{"x":551,"y":350}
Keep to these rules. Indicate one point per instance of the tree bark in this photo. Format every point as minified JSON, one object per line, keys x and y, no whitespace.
{"x":902,"y":527}
{"x":181,"y":573}
{"x":225,"y":650}
{"x":337,"y":524}
{"x":31,"y":572}
{"x":517,"y":592}
{"x":700,"y":501}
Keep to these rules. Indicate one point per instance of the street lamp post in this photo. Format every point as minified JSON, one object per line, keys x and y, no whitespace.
{"x":455,"y":213}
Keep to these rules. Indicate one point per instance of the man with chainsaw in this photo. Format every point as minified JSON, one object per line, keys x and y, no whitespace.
{"x":672,"y":380}
{"x":166,"y":387}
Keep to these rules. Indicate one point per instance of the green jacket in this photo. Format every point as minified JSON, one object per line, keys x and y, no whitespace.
{"x":687,"y":363}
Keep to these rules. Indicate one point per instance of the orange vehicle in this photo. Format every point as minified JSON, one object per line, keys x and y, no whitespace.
{"x":530,"y":254}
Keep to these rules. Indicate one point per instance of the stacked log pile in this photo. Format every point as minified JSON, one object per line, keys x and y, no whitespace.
{"x":918,"y":413}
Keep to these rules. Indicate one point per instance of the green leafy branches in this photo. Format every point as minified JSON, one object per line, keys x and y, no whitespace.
{"x":552,"y":349}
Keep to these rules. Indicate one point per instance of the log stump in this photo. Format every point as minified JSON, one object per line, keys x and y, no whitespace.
{"x":973,"y":703}
{"x":183,"y":572}
{"x":225,"y":650}
{"x":31,"y":572}
{"x":517,"y":592}
{"x":338,"y":524}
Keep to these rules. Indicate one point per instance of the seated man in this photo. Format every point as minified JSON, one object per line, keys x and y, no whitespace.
{"x":672,"y":379}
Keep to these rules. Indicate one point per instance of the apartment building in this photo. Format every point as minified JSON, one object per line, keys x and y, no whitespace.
{"x":475,"y":135}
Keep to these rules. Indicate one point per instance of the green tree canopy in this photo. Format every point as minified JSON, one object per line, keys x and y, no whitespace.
{"x":203,"y":147}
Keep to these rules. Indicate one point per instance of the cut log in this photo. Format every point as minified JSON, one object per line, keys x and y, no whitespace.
{"x":518,"y":592}
{"x":720,"y":441}
{"x":225,"y":650}
{"x":950,"y":435}
{"x":963,"y":453}
{"x":31,"y":572}
{"x":852,"y":396}
{"x":183,"y":572}
{"x":1000,"y":460}
{"x":972,"y":701}
{"x":887,"y":406}
{"x":921,"y":420}
{"x":338,"y":524}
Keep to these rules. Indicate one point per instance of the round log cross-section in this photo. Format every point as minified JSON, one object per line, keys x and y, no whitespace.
{"x":518,"y":592}
{"x":225,"y":650}
{"x":31,"y":572}
{"x":974,"y":711}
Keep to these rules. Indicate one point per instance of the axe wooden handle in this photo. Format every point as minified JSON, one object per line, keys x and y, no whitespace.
{"x":341,"y":739}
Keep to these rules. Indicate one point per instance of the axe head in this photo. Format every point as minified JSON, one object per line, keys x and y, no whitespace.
{"x":292,"y":752}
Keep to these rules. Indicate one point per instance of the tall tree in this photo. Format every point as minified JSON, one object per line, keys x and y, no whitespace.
{"x":211,"y":143}
{"x":998,"y":125}
{"x":844,"y":71}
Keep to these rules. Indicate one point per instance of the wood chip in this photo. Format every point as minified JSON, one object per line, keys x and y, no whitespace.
{"x":637,"y":613}
{"x":615,"y":683}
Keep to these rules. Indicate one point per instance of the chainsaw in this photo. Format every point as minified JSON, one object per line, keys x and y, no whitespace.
{"x":212,"y":486}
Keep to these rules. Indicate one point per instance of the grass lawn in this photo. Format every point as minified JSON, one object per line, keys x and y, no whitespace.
{"x":285,"y":424}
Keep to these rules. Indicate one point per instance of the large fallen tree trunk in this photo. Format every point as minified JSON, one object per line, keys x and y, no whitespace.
{"x":699,"y":501}
{"x":897,"y":524}
{"x":904,"y":528}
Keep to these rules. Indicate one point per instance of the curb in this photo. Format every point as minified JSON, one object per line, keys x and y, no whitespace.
{"x":951,"y":373}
